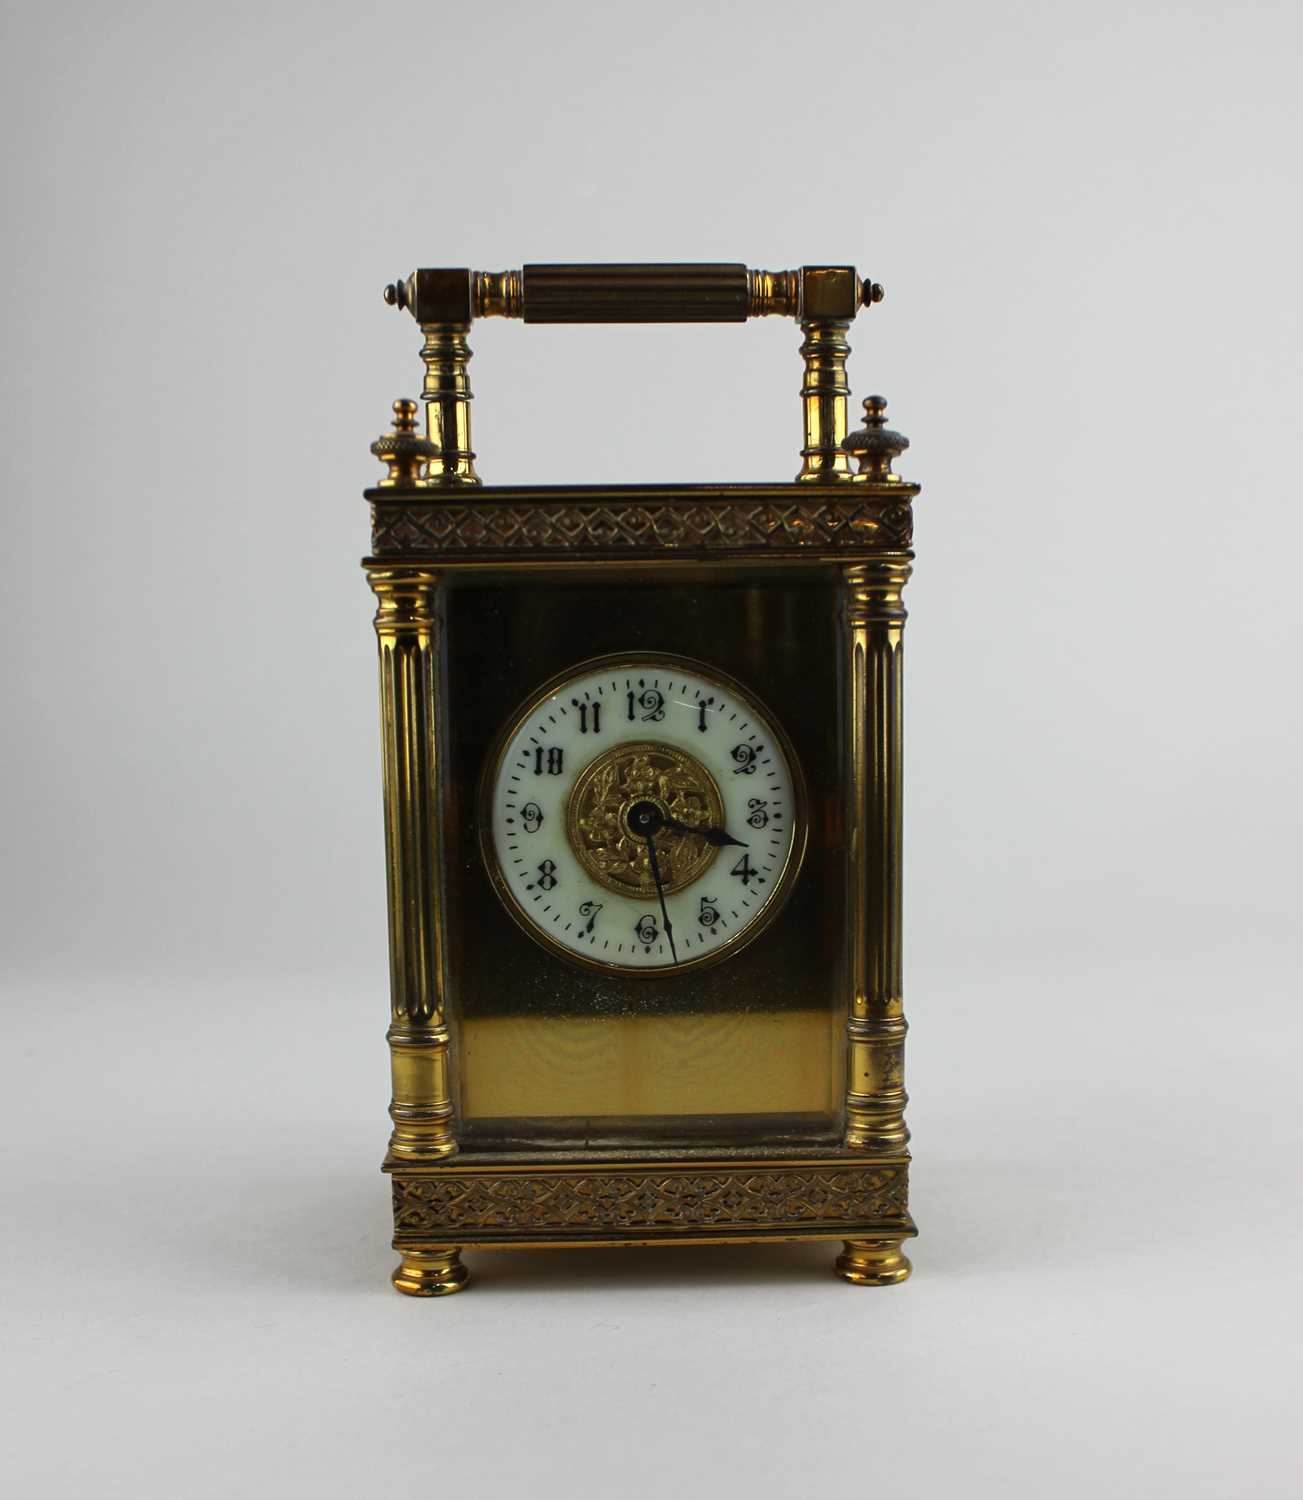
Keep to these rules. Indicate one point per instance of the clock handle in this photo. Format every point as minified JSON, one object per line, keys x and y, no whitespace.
{"x":824,"y":299}
{"x":634,"y":293}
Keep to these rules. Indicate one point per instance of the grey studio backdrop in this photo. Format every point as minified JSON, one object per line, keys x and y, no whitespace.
{"x":1087,"y":220}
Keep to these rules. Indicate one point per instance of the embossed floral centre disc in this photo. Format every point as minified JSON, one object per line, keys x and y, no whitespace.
{"x":607,"y":791}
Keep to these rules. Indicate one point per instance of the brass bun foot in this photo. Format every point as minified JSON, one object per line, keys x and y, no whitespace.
{"x":430,"y":1273}
{"x":875,"y":1262}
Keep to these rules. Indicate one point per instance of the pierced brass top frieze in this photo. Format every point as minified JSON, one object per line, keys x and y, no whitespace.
{"x":645,"y":521}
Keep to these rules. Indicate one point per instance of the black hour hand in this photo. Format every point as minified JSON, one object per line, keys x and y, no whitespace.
{"x":715,"y":836}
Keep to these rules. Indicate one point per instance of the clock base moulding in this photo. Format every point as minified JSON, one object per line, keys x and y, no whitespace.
{"x":442,"y":1210}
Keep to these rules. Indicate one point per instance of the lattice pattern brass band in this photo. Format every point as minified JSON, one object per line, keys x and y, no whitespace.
{"x":467,"y":1205}
{"x":712,"y":525}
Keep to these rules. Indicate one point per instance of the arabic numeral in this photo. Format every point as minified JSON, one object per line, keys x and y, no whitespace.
{"x":648,"y":705}
{"x":757,"y":812}
{"x":646,"y":930}
{"x":547,"y":880}
{"x":708,"y":911}
{"x":746,"y":871}
{"x":587,"y":712}
{"x":531,"y":815}
{"x":590,"y":910}
{"x":745,"y":756}
{"x":552,"y":760}
{"x":701,"y":713}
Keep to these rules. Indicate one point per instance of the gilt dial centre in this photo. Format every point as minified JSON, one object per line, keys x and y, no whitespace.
{"x":638,"y":793}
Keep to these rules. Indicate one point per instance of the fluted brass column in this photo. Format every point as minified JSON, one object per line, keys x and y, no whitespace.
{"x":407,"y":629}
{"x":875,"y":623}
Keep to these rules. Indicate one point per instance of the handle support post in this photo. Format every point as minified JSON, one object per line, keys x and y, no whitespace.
{"x":446,"y":391}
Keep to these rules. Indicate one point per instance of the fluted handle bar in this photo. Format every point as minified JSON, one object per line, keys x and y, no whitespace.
{"x":637,"y":293}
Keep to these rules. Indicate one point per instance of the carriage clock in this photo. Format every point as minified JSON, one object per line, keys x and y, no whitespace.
{"x":642,"y":795}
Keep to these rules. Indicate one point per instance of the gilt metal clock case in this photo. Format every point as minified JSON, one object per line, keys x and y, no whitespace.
{"x":642,"y":778}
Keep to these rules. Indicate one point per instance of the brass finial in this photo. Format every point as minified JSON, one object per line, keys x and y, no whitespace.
{"x":395,"y":294}
{"x":871,"y":292}
{"x":404,"y":452}
{"x":875,"y":444}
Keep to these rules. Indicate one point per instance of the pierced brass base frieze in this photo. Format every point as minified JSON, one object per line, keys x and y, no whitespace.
{"x":600,"y":1203}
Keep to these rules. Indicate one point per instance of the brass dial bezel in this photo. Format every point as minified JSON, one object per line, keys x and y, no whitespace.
{"x":614,"y":662}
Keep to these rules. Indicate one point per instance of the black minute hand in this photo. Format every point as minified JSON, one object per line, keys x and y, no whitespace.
{"x":660,"y":891}
{"x":715,"y":836}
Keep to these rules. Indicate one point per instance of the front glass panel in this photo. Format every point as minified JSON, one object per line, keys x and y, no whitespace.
{"x":555,"y":1051}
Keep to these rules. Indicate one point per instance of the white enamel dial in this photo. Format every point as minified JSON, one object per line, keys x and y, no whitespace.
{"x":643,"y":813}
